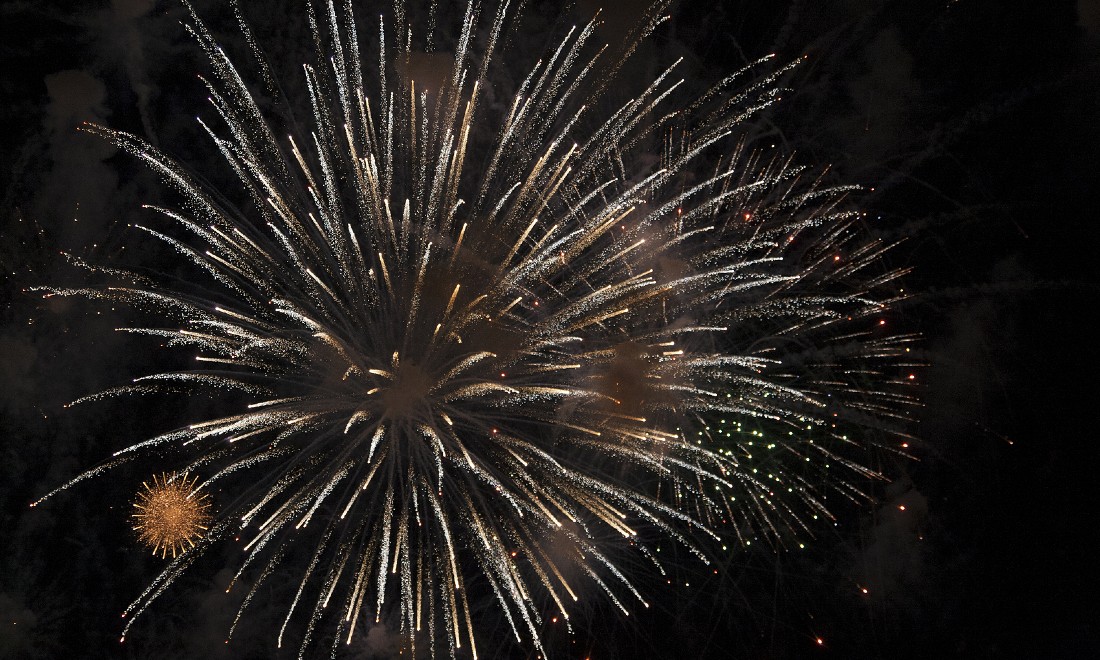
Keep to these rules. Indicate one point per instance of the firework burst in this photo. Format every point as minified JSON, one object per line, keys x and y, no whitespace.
{"x":487,"y":350}
{"x":170,"y":515}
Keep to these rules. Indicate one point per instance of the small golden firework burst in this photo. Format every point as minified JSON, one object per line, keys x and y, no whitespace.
{"x":169,"y":515}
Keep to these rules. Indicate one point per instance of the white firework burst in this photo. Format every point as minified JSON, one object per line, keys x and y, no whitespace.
{"x":490,"y":352}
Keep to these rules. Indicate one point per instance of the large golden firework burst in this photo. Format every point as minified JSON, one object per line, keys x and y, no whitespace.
{"x":169,"y":515}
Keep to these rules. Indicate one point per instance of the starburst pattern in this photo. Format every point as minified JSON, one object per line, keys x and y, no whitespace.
{"x":170,"y":515}
{"x":475,"y":350}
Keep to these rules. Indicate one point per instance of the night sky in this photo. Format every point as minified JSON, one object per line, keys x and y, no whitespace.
{"x":976,"y":123}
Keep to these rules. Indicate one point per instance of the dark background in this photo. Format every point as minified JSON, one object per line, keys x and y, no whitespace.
{"x":976,"y":122}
